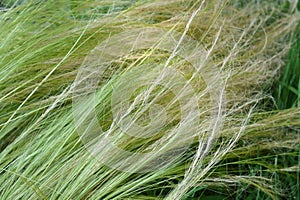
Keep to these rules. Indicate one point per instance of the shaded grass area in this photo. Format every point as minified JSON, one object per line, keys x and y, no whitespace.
{"x":287,"y":90}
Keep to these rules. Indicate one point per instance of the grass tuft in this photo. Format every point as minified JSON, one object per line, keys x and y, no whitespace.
{"x":197,"y":83}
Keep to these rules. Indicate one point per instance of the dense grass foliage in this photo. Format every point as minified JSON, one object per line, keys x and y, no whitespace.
{"x":222,"y":59}
{"x":287,"y":92}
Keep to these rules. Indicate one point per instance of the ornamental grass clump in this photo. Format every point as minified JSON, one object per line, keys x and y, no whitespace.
{"x":146,"y":100}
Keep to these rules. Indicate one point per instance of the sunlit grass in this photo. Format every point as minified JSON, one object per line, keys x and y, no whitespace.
{"x":253,"y":155}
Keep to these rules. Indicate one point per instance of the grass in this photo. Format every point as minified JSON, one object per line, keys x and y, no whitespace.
{"x":201,"y":76}
{"x":287,"y":92}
